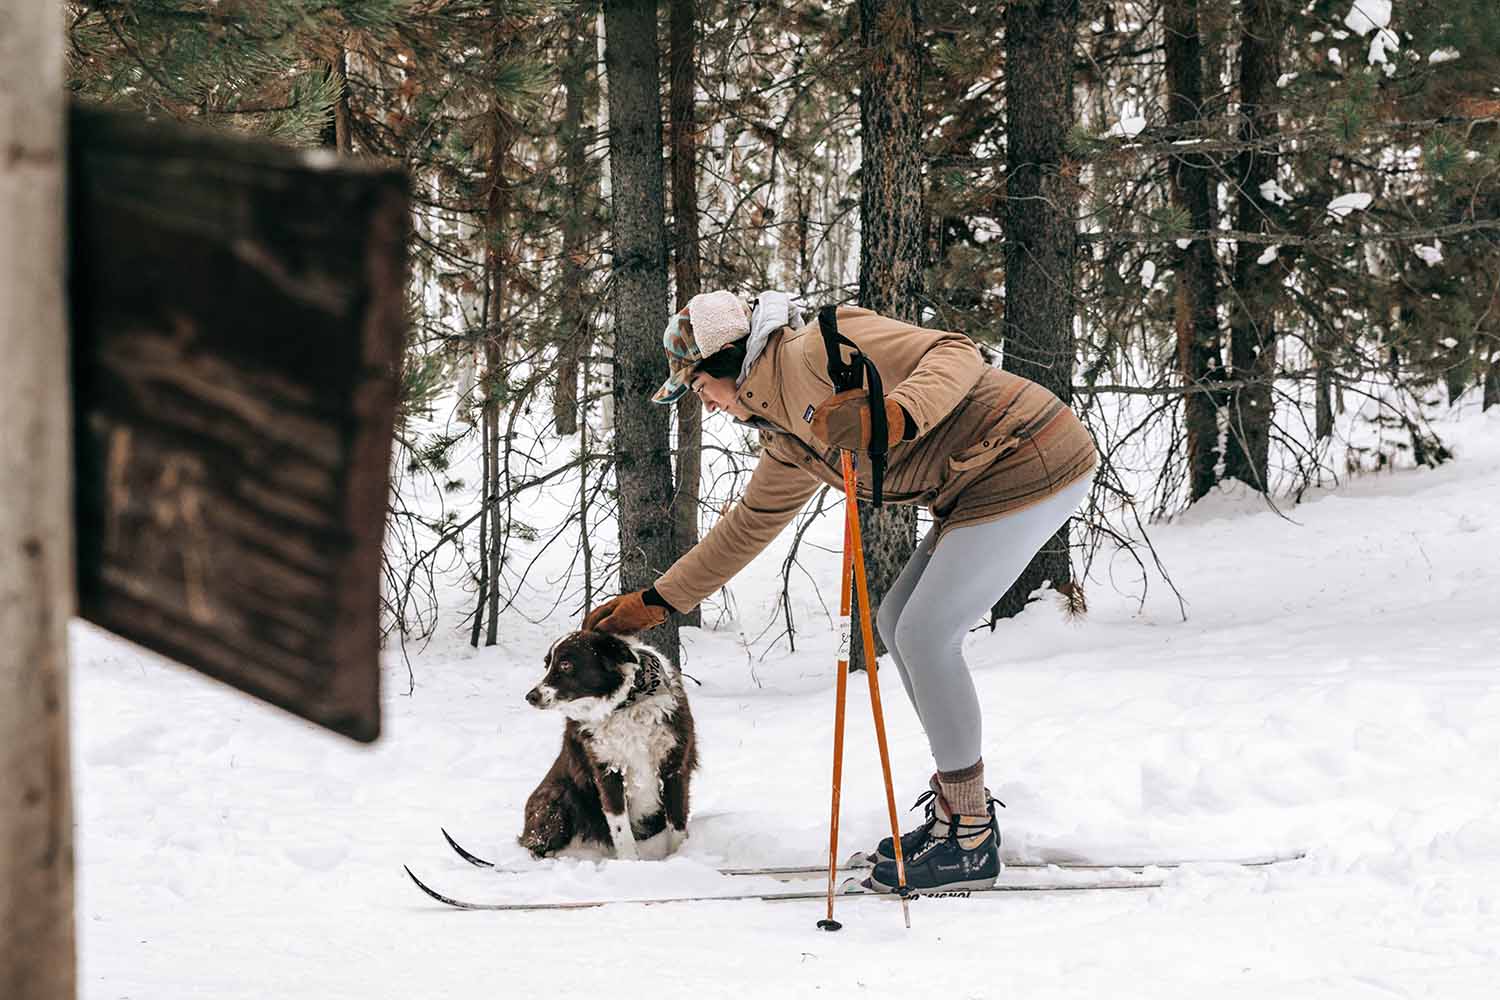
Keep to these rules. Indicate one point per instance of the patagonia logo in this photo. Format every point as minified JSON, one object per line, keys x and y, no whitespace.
{"x":807,"y":414}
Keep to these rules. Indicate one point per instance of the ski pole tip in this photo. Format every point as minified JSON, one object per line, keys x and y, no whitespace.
{"x":829,"y":925}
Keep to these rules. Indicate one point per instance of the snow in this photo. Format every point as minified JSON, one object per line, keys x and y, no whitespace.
{"x":1148,"y":273}
{"x":1286,"y":78}
{"x":1335,"y":688}
{"x":1272,"y":191}
{"x":1383,"y":43}
{"x":1368,"y":15}
{"x":1129,"y":126}
{"x":1346,"y":203}
{"x":1443,"y":55}
{"x":1268,"y":255}
{"x":1373,"y":15}
{"x":1430,"y":254}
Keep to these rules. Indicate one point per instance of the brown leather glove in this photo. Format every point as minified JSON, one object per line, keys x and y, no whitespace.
{"x":843,"y":421}
{"x":626,"y":614}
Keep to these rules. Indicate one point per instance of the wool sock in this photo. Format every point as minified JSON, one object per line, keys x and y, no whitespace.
{"x":964,"y":790}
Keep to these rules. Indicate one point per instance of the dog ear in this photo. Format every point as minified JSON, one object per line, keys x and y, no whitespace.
{"x":613,"y":647}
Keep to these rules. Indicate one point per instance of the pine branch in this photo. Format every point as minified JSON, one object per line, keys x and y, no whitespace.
{"x":1290,"y":239}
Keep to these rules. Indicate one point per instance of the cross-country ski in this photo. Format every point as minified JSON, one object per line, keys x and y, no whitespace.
{"x":847,"y":888}
{"x":862,"y":862}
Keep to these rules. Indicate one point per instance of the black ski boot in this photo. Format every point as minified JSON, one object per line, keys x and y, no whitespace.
{"x":957,"y":852}
{"x":934,"y":823}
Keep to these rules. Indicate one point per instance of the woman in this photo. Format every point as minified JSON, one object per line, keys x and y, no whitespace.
{"x":1001,"y":462}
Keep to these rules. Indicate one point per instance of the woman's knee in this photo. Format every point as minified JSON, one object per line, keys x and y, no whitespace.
{"x":887,"y":623}
{"x":919,"y":640}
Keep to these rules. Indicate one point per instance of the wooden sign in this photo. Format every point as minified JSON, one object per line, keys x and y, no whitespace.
{"x":238,"y":316}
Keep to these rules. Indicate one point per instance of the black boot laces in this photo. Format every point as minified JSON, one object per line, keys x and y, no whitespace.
{"x":957,"y":829}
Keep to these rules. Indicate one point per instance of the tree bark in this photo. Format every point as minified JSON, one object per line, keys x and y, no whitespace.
{"x":1199,"y":354}
{"x":36,"y":515}
{"x":1041,"y":212}
{"x":574,"y":319}
{"x":643,"y":455}
{"x":1252,"y":316}
{"x":688,"y":271}
{"x":496,"y":333}
{"x":893,"y":229}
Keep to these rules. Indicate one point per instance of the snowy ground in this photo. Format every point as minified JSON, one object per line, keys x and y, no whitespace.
{"x":1335,"y":689}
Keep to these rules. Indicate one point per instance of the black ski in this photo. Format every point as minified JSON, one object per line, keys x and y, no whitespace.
{"x":850,"y":888}
{"x":477,"y":862}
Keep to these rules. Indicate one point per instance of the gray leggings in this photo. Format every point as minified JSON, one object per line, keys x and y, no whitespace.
{"x":940,"y":595}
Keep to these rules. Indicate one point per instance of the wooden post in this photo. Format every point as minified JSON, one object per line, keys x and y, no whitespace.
{"x":36,"y":514}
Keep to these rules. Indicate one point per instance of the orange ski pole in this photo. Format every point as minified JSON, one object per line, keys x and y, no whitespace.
{"x":867,"y":627}
{"x":841,"y":687}
{"x":846,"y":376}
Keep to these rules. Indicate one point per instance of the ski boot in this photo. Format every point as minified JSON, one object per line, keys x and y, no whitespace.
{"x":935,"y":823}
{"x":954,"y":853}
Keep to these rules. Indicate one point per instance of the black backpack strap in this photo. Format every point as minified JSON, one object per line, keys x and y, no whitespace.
{"x":857,"y":371}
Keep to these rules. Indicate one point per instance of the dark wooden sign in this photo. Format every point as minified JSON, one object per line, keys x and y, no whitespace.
{"x":238,"y":314}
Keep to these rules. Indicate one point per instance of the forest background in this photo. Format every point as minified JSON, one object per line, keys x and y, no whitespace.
{"x":1255,"y":244}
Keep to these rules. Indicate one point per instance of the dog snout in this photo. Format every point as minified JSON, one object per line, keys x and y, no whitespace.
{"x":534,"y":696}
{"x":541,"y":696}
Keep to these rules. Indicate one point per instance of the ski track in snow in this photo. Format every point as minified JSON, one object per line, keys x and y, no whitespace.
{"x":1335,"y":688}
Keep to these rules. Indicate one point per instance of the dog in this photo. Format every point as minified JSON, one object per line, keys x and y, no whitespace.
{"x":621,"y":779}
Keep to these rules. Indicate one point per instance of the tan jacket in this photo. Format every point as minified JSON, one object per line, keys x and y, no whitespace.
{"x":988,"y":442}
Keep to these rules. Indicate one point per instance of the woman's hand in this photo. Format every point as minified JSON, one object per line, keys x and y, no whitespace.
{"x":843,"y":421}
{"x":626,"y":614}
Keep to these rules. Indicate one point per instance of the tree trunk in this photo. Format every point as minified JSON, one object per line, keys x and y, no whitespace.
{"x":1040,"y":229}
{"x":496,"y":332}
{"x":482,"y":597}
{"x":1492,"y":384}
{"x":573,"y":337}
{"x":36,"y":515}
{"x":1252,"y":316}
{"x":688,"y":273}
{"x":1323,"y":402}
{"x":499,"y":523}
{"x":1199,"y":357}
{"x":643,"y":454}
{"x":893,"y":230}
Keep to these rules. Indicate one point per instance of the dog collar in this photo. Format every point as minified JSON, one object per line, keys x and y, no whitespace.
{"x":648,"y":678}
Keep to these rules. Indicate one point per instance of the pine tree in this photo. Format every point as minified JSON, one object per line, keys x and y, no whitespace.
{"x":1255,"y":298}
{"x":1199,"y":357}
{"x":643,"y":466}
{"x":251,"y":66}
{"x":687,"y":268}
{"x":1040,"y":230}
{"x":893,"y":237}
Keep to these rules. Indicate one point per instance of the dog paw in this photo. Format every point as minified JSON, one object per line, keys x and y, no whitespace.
{"x":675,"y":837}
{"x":656,"y":846}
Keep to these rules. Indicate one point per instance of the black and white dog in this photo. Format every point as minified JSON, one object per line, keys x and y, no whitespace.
{"x":628,"y":751}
